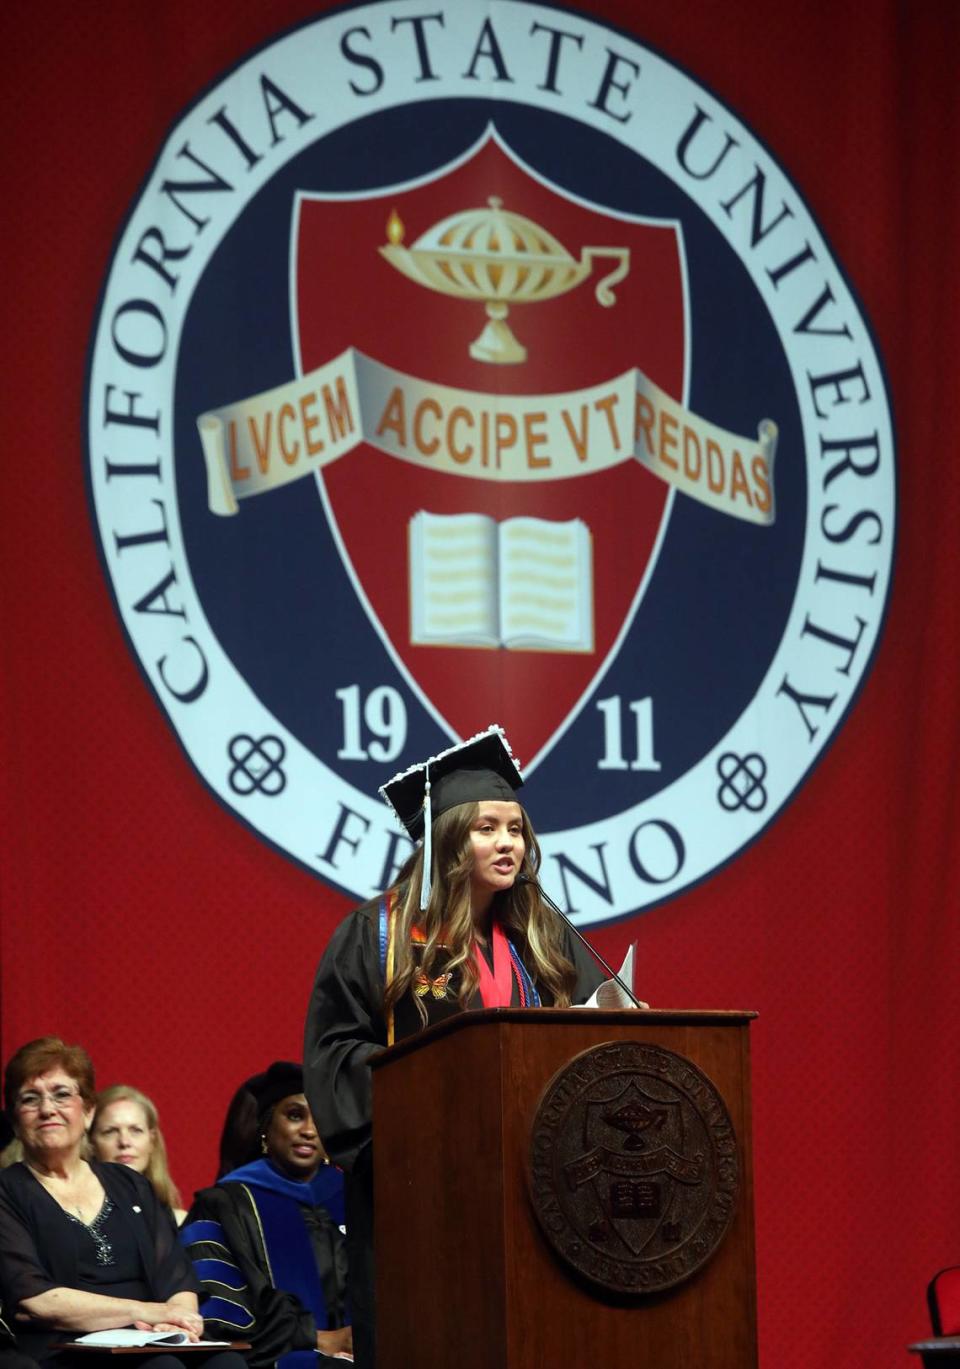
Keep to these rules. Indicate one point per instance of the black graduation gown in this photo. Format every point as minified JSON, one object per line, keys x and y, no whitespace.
{"x":345,"y":1027}
{"x":280,"y":1321}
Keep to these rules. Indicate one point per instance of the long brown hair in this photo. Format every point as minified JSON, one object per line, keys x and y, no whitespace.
{"x":447,"y":921}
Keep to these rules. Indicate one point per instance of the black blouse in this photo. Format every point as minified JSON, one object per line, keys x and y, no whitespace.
{"x":110,"y":1261}
{"x":41,"y":1247}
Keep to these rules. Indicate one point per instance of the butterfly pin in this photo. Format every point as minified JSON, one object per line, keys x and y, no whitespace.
{"x":423,"y":984}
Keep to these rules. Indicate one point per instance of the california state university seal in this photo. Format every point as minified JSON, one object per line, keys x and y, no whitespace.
{"x":479,"y":365}
{"x":634,"y":1167}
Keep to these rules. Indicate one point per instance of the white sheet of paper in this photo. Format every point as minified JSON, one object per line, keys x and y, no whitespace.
{"x":610,"y":995}
{"x":124,"y":1337}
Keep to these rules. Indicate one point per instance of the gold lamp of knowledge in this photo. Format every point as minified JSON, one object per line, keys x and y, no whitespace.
{"x":500,"y":258}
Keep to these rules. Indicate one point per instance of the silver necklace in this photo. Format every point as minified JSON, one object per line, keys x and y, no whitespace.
{"x":103,"y":1247}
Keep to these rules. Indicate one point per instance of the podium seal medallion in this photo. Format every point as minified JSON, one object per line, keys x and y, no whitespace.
{"x":634,"y":1167}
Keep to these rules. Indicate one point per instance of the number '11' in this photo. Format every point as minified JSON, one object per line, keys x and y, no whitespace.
{"x":613,"y":757}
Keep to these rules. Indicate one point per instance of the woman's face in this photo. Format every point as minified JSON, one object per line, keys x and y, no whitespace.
{"x":496,"y":836}
{"x":51,"y":1118}
{"x":122,"y":1135}
{"x":292,"y":1140}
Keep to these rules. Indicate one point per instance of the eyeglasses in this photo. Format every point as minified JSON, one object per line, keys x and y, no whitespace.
{"x":61,"y":1096}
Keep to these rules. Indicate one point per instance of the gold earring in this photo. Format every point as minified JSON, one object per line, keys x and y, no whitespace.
{"x":263,"y":1144}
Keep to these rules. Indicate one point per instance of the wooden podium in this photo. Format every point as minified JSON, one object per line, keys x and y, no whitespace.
{"x":466,"y":1277}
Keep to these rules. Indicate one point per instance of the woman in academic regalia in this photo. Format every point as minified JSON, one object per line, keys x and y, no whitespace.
{"x":464,"y":927}
{"x":267,"y":1242}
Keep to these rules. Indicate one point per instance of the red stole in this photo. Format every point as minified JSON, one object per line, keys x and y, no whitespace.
{"x":496,"y":989}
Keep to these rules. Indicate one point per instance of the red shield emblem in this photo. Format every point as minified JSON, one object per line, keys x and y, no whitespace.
{"x":498,"y":597}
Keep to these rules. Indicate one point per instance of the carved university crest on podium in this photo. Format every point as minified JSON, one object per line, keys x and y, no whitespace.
{"x":634,"y":1167}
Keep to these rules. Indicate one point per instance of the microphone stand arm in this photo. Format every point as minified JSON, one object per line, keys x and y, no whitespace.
{"x":525,"y":879}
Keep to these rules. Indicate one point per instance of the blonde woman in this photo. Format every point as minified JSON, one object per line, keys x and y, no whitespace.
{"x":126,"y":1131}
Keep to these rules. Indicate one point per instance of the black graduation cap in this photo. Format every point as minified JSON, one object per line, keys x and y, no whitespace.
{"x":480,"y":768}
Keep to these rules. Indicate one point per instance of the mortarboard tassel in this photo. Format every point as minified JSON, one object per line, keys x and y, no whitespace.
{"x":426,"y":882}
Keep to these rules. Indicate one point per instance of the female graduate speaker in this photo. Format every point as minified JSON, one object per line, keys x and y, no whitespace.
{"x":457,"y":931}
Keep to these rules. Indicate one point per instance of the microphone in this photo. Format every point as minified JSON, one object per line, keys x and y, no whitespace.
{"x":535,"y":884}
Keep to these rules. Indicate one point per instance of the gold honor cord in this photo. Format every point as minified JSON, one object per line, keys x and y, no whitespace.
{"x":259,"y":444}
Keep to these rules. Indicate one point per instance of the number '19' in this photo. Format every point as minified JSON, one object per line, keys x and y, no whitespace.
{"x":385,"y":717}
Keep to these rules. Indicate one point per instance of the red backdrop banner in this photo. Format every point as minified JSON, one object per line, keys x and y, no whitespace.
{"x":139,"y":917}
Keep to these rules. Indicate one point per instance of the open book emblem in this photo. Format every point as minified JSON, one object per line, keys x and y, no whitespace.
{"x":494,"y":524}
{"x":525,"y":583}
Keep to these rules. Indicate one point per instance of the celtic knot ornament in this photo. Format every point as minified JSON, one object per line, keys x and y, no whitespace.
{"x":741,"y":782}
{"x":257,"y":765}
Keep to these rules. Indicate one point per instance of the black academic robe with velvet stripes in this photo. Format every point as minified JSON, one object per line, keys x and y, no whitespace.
{"x":250,"y":1307}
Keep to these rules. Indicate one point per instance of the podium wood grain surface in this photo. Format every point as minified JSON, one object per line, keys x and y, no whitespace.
{"x":465,"y":1278}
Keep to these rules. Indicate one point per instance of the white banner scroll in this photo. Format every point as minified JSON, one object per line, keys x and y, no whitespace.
{"x":268,"y":440}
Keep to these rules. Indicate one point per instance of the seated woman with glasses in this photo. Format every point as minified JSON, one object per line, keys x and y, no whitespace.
{"x":84,"y":1246}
